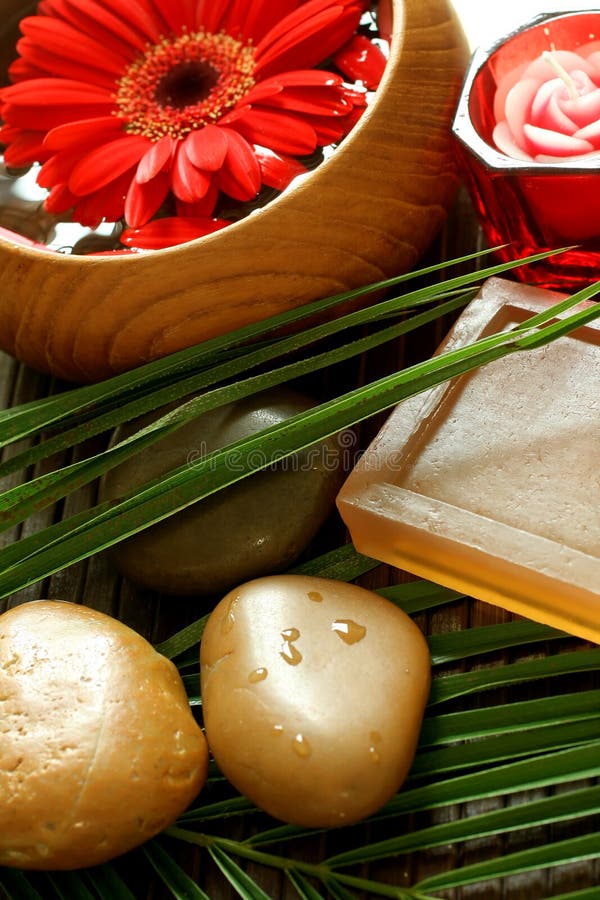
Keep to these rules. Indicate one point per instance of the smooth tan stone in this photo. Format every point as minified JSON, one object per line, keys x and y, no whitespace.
{"x":99,"y":750}
{"x":259,"y":525}
{"x":313,"y":696}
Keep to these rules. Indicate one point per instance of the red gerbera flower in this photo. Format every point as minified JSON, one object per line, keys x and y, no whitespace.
{"x":128,"y":102}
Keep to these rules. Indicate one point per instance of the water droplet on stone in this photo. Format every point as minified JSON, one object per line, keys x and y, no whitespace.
{"x":278,"y":729}
{"x":301,"y":746}
{"x":315,"y":596}
{"x":229,"y":620}
{"x":375,"y":738}
{"x":348,"y":631}
{"x":290,"y":634}
{"x":288,"y":652}
{"x":258,"y":675}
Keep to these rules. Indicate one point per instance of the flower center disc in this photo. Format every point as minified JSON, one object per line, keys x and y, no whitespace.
{"x":184,"y":83}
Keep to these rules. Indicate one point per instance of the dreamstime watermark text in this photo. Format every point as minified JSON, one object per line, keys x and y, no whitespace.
{"x":339,"y":452}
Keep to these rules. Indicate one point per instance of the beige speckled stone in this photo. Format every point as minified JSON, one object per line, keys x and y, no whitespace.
{"x":99,"y":750}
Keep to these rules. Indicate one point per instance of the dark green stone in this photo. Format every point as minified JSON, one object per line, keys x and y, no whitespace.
{"x":257,"y":526}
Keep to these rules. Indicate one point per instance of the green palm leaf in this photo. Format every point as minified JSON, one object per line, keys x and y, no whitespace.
{"x":305,"y":890}
{"x":484,"y":679}
{"x":70,"y":886}
{"x":240,"y":880}
{"x":108,"y":883}
{"x":17,"y":886}
{"x":180,"y":884}
{"x":548,"y":856}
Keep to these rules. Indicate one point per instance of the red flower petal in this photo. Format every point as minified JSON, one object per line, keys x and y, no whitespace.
{"x":178,"y":15}
{"x":262,"y":15}
{"x":240,"y":176}
{"x":48,"y":117}
{"x":303,"y":78}
{"x":210,"y":13}
{"x":187,"y":182}
{"x":107,"y":204}
{"x":202,"y":208}
{"x":280,"y":131}
{"x":362,"y":60}
{"x":110,"y":27}
{"x":272,"y":87}
{"x":104,"y":164}
{"x":276,"y":169}
{"x":311,"y":101}
{"x":139,"y":16}
{"x":87,"y":212}
{"x":57,"y":91}
{"x":81,"y":14}
{"x":304,"y":22}
{"x":261,"y":91}
{"x":303,"y":11}
{"x":111,"y":199}
{"x":59,"y":200}
{"x":21,"y":69}
{"x":169,"y":232}
{"x":310,"y":41}
{"x":49,"y":64}
{"x":8,"y":133}
{"x":155,"y":159}
{"x":87,"y":17}
{"x":73,"y":134}
{"x":66,"y":41}
{"x":25,"y":149}
{"x":330,"y":131}
{"x":234,"y":18}
{"x":144,"y":200}
{"x":57,"y":168}
{"x":207,"y":148}
{"x":385,"y":19}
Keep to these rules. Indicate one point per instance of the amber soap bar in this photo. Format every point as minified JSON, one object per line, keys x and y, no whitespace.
{"x":490,"y":483}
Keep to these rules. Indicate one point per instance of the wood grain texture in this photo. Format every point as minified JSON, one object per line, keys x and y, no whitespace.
{"x":368,"y":212}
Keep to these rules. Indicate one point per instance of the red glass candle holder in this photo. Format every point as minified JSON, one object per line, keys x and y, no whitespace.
{"x":526,"y":205}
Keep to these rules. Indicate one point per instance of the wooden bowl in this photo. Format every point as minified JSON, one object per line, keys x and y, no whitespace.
{"x":366,"y":213}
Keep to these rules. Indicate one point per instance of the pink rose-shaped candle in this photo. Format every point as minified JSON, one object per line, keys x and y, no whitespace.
{"x":548,"y":110}
{"x":527,"y":141}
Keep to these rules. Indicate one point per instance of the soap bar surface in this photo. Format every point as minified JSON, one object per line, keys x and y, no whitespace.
{"x":490,"y":483}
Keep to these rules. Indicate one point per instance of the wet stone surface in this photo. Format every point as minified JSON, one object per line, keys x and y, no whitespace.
{"x":257,"y":526}
{"x":313,"y":709}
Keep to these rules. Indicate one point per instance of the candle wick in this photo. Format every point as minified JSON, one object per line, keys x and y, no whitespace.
{"x":562,"y":74}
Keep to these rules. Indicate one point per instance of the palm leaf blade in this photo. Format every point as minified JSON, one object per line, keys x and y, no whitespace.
{"x":548,"y":856}
{"x":179,"y":883}
{"x":509,"y":717}
{"x":240,"y":880}
{"x":17,"y":886}
{"x":572,"y":805}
